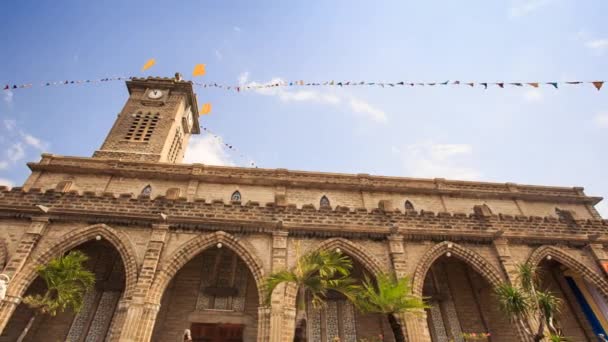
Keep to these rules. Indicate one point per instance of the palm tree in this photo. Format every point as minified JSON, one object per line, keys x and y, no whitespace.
{"x":67,"y":281}
{"x":389,"y":296}
{"x":524,"y":300}
{"x":315,"y":274}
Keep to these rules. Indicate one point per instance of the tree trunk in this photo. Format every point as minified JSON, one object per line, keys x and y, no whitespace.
{"x":396,"y":327}
{"x":540,"y":334}
{"x":27,"y":328}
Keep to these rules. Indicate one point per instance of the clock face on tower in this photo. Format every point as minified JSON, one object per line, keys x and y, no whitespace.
{"x":155,"y":94}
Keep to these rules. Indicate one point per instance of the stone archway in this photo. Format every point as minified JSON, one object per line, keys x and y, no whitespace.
{"x":70,"y":240}
{"x":363,"y":262}
{"x":476,"y":261}
{"x":113,"y":261}
{"x":459,"y":286}
{"x":572,"y":263}
{"x":209,"y":272}
{"x":583,"y":292}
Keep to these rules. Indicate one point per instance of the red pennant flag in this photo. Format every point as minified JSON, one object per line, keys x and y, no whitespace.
{"x":598,"y":84}
{"x":533,"y":84}
{"x":502,"y":85}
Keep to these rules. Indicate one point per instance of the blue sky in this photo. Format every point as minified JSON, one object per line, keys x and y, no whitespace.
{"x":521,"y":135}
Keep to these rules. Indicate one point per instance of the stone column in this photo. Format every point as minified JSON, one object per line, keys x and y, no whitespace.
{"x":264,"y":315}
{"x":28,"y":242}
{"x":118,"y":320}
{"x":414,"y":327}
{"x":140,"y":315}
{"x":600,"y":256}
{"x":509,"y":267}
{"x":282,"y":312}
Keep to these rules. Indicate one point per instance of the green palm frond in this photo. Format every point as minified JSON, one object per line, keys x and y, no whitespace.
{"x":67,"y":281}
{"x":549,"y":304}
{"x":388,"y":295}
{"x":513,"y":301}
{"x":527,"y":276}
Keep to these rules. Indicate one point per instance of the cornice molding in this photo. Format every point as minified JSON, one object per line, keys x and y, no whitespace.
{"x":304,"y":179}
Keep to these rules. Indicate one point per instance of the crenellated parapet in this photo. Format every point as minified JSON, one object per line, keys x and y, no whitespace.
{"x":202,"y":214}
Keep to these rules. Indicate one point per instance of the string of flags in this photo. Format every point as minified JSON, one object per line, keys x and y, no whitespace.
{"x":485,"y":85}
{"x":230,"y":147}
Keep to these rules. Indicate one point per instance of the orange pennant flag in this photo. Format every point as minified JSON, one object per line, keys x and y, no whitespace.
{"x":148,"y":64}
{"x":534,"y":84}
{"x":206,"y":109}
{"x":598,"y":84}
{"x":199,"y":70}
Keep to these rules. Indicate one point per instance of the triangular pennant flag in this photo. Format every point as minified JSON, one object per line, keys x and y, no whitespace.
{"x":431,"y":84}
{"x":574,"y":82}
{"x":485,"y":85}
{"x":502,"y":85}
{"x":471,"y":84}
{"x":331,"y":83}
{"x":554,"y":84}
{"x":445,"y":83}
{"x":598,"y":84}
{"x":456,"y":82}
{"x":533,"y":84}
{"x":148,"y":64}
{"x":401,"y":83}
{"x":517,"y":84}
{"x":206,"y":109}
{"x":6,"y":87}
{"x":199,"y":70}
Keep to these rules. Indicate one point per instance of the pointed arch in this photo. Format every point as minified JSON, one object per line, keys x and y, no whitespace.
{"x":354,"y":250}
{"x":408,"y":206}
{"x":146,"y":191}
{"x":471,"y":258}
{"x":236,"y":196}
{"x":324,"y":202}
{"x":194,"y":247}
{"x":74,"y":238}
{"x":566,"y":259}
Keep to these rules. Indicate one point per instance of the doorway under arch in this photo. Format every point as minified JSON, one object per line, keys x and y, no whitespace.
{"x":95,"y":318}
{"x":215,"y":295}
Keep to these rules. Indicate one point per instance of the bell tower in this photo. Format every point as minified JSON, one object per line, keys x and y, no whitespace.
{"x":156,"y":122}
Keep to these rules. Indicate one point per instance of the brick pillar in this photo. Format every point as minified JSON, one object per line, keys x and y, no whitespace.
{"x":281,"y":316}
{"x":140,"y":315}
{"x":414,"y":327}
{"x":28,"y":242}
{"x":600,"y":256}
{"x":118,"y":320}
{"x":509,"y":267}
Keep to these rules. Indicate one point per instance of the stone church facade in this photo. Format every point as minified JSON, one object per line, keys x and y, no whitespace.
{"x":187,"y":246}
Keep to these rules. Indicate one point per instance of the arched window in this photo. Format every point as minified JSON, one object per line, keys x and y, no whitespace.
{"x":324,"y":203}
{"x":236,"y":196}
{"x":147,"y":190}
{"x":565,"y":215}
{"x":409,"y":206}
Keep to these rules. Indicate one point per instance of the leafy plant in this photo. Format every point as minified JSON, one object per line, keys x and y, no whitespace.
{"x":390,"y":296}
{"x":524,"y":300}
{"x":315,"y":274}
{"x":67,"y":280}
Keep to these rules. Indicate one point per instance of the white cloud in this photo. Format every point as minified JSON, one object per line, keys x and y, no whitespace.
{"x":6,"y":182}
{"x":218,"y":55}
{"x":430,"y":160}
{"x":207,"y":150}
{"x":34,"y":142}
{"x":358,"y":106}
{"x":10,"y":124}
{"x":599,"y":44}
{"x":601,"y":119}
{"x":533,"y":95}
{"x":8,"y":96}
{"x":520,"y":8}
{"x":15,"y":152}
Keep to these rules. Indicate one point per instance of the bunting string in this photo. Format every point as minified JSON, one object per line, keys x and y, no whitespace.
{"x":230,"y":147}
{"x":301,"y":83}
